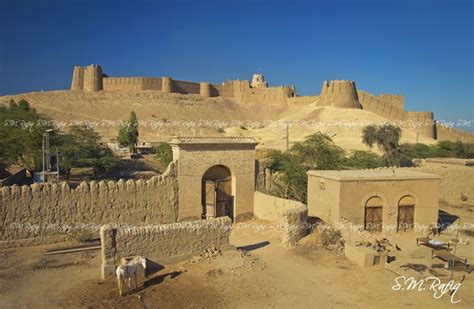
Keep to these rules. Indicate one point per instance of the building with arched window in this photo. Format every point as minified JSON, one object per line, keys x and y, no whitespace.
{"x":377,"y":200}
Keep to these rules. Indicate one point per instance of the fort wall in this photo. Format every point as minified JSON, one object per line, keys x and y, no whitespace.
{"x":445,"y":133}
{"x":391,"y":108}
{"x":132,"y":83}
{"x":185,"y":87}
{"x":93,"y":76}
{"x":380,"y":107}
{"x":42,"y":213}
{"x":205,"y":89}
{"x":422,"y":122}
{"x":78,"y":78}
{"x":395,"y":100}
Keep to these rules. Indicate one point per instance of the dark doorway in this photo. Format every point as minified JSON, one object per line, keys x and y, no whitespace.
{"x":217,"y":198}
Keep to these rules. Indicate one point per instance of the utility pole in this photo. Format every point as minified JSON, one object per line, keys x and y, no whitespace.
{"x":46,"y":157}
{"x":57,"y":164}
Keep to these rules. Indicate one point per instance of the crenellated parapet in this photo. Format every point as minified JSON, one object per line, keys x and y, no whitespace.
{"x":391,"y":107}
{"x":87,"y":78}
{"x":339,"y":93}
{"x":91,"y":78}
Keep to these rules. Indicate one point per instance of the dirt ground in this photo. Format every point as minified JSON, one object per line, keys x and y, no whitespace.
{"x":257,"y":273}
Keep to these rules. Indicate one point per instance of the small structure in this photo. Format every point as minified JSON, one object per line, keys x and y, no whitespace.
{"x":375,"y":199}
{"x":216,"y":177}
{"x":258,"y":81}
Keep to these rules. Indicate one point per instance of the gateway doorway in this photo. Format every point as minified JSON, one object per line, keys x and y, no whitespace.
{"x":217,"y":198}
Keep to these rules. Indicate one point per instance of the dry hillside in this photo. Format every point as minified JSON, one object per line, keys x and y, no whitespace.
{"x":164,"y":115}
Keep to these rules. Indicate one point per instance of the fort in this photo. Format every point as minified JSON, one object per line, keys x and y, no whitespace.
{"x":336,"y":93}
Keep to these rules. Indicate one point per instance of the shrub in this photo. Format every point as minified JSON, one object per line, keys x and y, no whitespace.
{"x":364,"y":159}
{"x":164,"y":154}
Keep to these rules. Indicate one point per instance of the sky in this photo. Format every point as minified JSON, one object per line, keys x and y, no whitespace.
{"x":422,"y":49}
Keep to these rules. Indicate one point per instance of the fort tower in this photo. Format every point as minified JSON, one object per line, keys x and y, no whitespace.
{"x":339,"y":93}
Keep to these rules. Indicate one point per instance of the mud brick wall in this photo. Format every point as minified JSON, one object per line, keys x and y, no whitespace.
{"x":161,"y":243}
{"x":42,"y":213}
{"x":290,"y":215}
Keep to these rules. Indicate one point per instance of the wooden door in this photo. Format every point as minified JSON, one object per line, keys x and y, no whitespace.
{"x":210,"y":199}
{"x":373,"y":218}
{"x":224,"y":198}
{"x":406,"y":217}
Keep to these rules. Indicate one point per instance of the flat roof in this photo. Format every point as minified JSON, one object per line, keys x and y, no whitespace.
{"x":213,"y":140}
{"x":456,"y":161}
{"x":373,"y":174}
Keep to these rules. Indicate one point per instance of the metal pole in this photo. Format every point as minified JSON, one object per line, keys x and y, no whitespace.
{"x":42,"y":171}
{"x":48,"y":157}
{"x":57,"y":164}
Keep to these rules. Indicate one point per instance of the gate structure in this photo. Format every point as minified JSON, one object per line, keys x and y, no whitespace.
{"x":216,"y":177}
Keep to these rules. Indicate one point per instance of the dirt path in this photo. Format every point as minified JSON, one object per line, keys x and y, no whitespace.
{"x":263,"y":275}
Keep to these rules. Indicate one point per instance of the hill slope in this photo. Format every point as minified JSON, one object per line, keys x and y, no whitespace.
{"x":163,"y":116}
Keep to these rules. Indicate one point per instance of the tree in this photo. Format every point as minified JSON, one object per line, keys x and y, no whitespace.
{"x":387,"y":138}
{"x":164,"y":154}
{"x":128,"y":133}
{"x":21,"y":134}
{"x":81,"y":147}
{"x":316,"y":152}
{"x":363,"y":160}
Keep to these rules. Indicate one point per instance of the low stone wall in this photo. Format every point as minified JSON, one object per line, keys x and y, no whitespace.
{"x":161,"y":243}
{"x":40,"y":214}
{"x":290,"y":215}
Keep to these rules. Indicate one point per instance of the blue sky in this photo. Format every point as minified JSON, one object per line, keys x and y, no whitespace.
{"x":422,"y":49}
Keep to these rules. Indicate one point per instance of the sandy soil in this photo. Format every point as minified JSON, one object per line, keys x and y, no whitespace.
{"x":163,"y":116}
{"x":261,"y":274}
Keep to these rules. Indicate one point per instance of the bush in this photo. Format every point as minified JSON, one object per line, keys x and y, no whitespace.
{"x":164,"y":154}
{"x":364,"y":159}
{"x":407,"y":152}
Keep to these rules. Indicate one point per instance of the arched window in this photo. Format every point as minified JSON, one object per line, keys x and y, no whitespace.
{"x":373,"y":214}
{"x":406,"y":213}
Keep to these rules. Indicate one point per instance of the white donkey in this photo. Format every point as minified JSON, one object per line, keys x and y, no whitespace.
{"x":130,"y":270}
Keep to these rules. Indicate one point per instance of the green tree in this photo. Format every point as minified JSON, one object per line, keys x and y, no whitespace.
{"x":164,"y":154}
{"x":81,"y":147}
{"x":21,"y":134}
{"x":387,"y":138}
{"x":316,"y":152}
{"x":128,"y":133}
{"x":364,"y":159}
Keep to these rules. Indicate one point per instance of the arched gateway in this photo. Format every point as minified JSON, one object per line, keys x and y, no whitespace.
{"x":217,"y":197}
{"x":216,"y":177}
